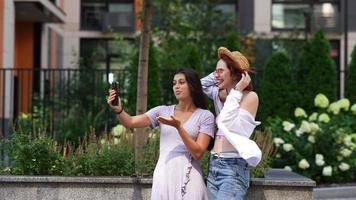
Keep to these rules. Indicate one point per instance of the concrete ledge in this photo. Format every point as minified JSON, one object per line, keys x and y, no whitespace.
{"x":335,"y":192}
{"x":278,"y":184}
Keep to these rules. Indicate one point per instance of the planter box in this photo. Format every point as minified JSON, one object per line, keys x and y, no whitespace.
{"x":278,"y":184}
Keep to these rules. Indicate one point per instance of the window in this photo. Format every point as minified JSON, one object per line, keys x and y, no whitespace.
{"x":103,"y":15}
{"x":91,"y":15}
{"x":101,"y":53}
{"x":306,"y":15}
{"x":228,"y":10}
{"x":288,"y":16}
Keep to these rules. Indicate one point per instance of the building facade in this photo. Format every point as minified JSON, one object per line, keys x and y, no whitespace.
{"x":22,"y":36}
{"x":55,"y":34}
{"x":40,"y":36}
{"x":269,"y":18}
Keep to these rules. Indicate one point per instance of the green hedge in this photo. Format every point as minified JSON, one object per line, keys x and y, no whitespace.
{"x":277,"y":88}
{"x":350,"y":85}
{"x":316,"y":71}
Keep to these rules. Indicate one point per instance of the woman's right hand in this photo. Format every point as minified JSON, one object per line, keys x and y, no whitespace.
{"x":112,"y":95}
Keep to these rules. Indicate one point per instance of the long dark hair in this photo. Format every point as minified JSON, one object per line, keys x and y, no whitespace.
{"x":194,"y":85}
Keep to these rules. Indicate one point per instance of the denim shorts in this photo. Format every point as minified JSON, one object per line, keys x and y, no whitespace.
{"x":228,"y":178}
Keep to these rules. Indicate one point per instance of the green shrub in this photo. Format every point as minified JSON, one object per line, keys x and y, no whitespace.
{"x":278,"y":91}
{"x":350,"y":85}
{"x":150,"y":153}
{"x":34,"y":154}
{"x":320,"y":145}
{"x":108,"y":160}
{"x":316,"y":71}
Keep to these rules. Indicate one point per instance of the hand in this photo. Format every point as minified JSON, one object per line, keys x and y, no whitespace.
{"x":244,"y":82}
{"x":171,"y":121}
{"x":111,"y":97}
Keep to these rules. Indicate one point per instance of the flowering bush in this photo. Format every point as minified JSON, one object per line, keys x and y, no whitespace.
{"x":320,"y":145}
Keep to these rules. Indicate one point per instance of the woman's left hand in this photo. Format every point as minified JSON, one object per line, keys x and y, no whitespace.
{"x":244,"y":82}
{"x":171,"y":121}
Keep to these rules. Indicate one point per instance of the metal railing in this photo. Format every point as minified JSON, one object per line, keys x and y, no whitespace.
{"x":53,"y":96}
{"x":50,"y":94}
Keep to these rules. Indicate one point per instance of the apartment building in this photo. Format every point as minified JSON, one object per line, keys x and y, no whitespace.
{"x":54,"y":34}
{"x":37,"y":36}
{"x":21,"y":47}
{"x":265,"y":19}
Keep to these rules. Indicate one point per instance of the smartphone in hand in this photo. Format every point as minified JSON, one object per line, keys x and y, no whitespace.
{"x":115,"y":86}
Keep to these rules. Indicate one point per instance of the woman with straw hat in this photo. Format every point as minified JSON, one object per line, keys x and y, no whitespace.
{"x":229,"y":86}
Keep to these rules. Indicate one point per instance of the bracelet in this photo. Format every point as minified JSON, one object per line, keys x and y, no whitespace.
{"x":122,"y":109}
{"x":238,"y":89}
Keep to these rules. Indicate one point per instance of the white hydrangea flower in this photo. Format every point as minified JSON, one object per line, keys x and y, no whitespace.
{"x":305,"y":127}
{"x":319,"y":159}
{"x":319,"y":156}
{"x":324,"y":118}
{"x":102,"y":141}
{"x":288,"y":168}
{"x":344,"y":104}
{"x":287,"y":126}
{"x":311,"y":139}
{"x":346,"y":152}
{"x":334,"y":108}
{"x":313,"y":116}
{"x":320,"y":162}
{"x":327,"y":171}
{"x":321,"y":101}
{"x":152,"y":135}
{"x":116,"y":141}
{"x":348,"y":141}
{"x":24,"y":116}
{"x":313,"y":127}
{"x":303,"y":164}
{"x":7,"y":169}
{"x":298,"y":132}
{"x":344,"y":166}
{"x":278,"y":155}
{"x":278,"y":141}
{"x":118,"y":130}
{"x":299,"y":112}
{"x":353,"y":109}
{"x":287,"y":147}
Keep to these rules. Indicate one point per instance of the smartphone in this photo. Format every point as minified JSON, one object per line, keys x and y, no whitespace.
{"x":115,"y":86}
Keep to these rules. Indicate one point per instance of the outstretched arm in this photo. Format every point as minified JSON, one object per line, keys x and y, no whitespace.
{"x":125,"y":119}
{"x":196,"y":147}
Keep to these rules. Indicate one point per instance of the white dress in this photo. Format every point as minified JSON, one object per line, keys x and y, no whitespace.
{"x":177,"y":174}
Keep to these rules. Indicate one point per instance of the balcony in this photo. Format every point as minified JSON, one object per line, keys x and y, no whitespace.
{"x":38,"y":11}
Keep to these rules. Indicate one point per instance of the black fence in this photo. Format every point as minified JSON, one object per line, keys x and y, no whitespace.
{"x":64,"y":99}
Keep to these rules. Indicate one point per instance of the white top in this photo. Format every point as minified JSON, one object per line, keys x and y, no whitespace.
{"x":235,"y":123}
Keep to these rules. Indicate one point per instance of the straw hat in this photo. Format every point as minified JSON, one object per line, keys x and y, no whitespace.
{"x":239,"y":59}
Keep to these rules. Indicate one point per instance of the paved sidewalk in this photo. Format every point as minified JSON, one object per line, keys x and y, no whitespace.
{"x":335,"y":193}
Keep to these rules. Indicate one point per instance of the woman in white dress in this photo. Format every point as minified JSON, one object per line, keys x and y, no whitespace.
{"x":186,"y":129}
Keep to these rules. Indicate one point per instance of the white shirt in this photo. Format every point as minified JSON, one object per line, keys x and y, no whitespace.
{"x":236,"y":123}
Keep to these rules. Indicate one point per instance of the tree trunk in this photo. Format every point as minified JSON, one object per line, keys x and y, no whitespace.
{"x":141,"y":106}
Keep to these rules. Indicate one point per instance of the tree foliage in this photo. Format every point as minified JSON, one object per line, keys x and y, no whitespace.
{"x":278,"y":89}
{"x":316,"y":72}
{"x":153,"y":87}
{"x":350,"y":86}
{"x":192,"y":31}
